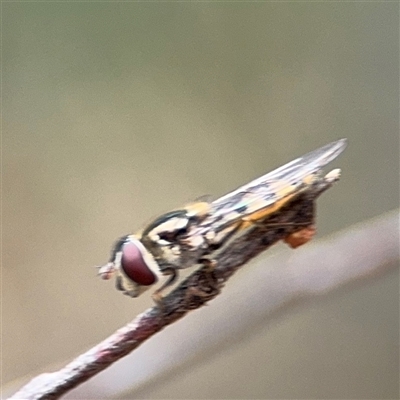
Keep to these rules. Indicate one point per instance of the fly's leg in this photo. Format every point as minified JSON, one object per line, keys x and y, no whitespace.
{"x":156,"y":296}
{"x":208,"y":263}
{"x":248,"y":222}
{"x":216,"y":242}
{"x":208,"y":285}
{"x":293,"y":240}
{"x":226,"y":235}
{"x":219,"y":240}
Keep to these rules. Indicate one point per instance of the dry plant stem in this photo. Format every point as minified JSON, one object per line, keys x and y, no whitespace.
{"x":195,"y":291}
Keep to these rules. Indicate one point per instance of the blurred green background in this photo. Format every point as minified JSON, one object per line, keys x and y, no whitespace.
{"x":114,"y":112}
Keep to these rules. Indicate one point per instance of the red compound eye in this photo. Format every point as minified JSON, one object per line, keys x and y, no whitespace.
{"x":134,"y":266}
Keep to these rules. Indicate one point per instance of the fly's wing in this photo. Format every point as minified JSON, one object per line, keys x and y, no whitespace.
{"x":269,"y":192}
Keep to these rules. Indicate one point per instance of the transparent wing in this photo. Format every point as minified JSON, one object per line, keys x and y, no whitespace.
{"x":275,"y":186}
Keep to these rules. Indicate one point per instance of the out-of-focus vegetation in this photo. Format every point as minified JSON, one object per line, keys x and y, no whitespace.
{"x":115,"y":112}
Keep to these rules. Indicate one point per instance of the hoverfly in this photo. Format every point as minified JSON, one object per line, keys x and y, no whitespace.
{"x":193,"y":234}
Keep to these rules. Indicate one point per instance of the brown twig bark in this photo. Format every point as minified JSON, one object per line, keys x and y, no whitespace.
{"x":198,"y":289}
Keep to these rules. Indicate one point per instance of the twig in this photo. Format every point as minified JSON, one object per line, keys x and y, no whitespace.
{"x":194,"y":292}
{"x":272,"y":287}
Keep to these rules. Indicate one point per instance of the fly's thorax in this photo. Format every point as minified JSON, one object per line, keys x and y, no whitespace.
{"x":197,"y":211}
{"x":171,"y":238}
{"x":168,"y":227}
{"x":183,"y":252}
{"x":161,"y":237}
{"x":136,"y":267}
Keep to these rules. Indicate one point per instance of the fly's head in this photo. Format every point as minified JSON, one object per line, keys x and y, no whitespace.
{"x":163,"y":246}
{"x":135,"y":268}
